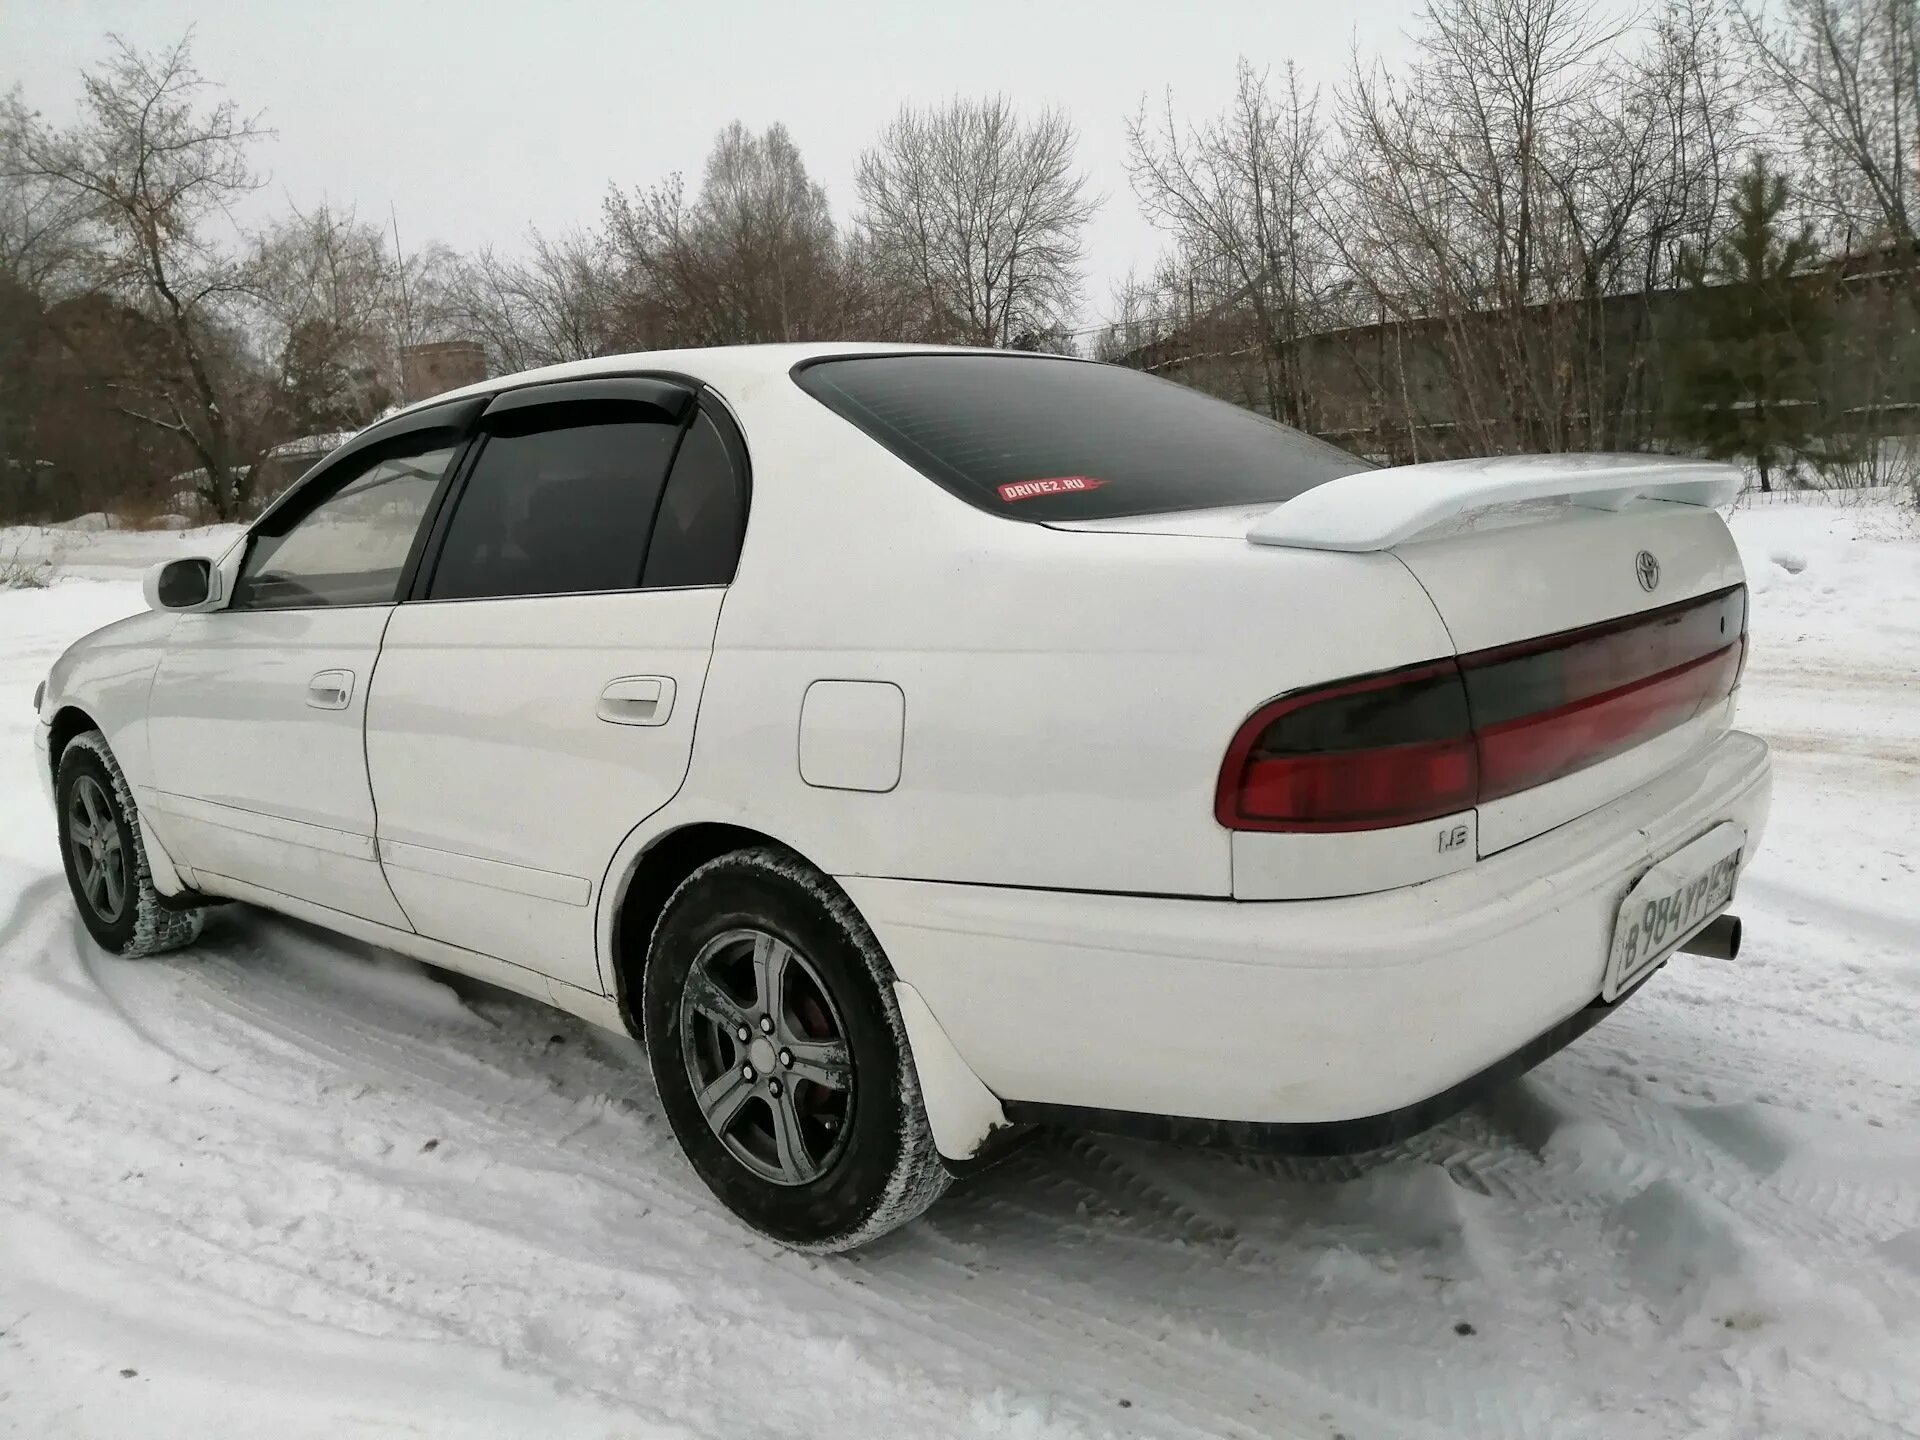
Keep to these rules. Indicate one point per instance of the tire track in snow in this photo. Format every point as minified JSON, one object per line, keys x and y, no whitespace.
{"x":1457,"y":1396}
{"x":300,"y":1018}
{"x":1839,"y":915}
{"x":342,"y":1040}
{"x":287,"y":1013}
{"x":1224,"y":1293}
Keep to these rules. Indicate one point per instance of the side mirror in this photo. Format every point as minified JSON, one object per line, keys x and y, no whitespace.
{"x":182,"y":585}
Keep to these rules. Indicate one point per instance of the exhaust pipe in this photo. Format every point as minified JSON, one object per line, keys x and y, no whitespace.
{"x":1720,"y":940}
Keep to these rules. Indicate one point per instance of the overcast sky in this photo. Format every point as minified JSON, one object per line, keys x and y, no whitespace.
{"x":477,"y":120}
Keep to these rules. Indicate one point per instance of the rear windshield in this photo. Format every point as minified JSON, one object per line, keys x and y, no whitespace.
{"x":1043,"y":439}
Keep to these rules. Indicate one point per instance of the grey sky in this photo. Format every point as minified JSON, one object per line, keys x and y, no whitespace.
{"x":478,"y":120}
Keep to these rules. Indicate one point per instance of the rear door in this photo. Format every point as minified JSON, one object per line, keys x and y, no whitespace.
{"x":255,"y":716}
{"x":536,"y":699}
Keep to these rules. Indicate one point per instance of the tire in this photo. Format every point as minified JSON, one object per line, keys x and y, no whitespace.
{"x":111,"y":883}
{"x":859,"y":1158}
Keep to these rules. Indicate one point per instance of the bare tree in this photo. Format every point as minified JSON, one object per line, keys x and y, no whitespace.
{"x":1845,"y":77}
{"x":156,"y":158}
{"x":551,"y":305}
{"x":1239,"y":195}
{"x":329,"y":301}
{"x":978,"y":215}
{"x":755,"y":256}
{"x":1684,"y":89}
{"x":1142,"y":328}
{"x":45,"y":250}
{"x":1639,"y":174}
{"x":1535,"y":163}
{"x":46,"y":230}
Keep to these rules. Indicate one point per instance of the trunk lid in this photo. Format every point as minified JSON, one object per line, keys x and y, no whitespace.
{"x":1517,"y":549}
{"x":1565,"y":568}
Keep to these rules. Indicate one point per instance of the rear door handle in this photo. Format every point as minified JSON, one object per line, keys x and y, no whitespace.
{"x":330,"y":690}
{"x":636,"y":700}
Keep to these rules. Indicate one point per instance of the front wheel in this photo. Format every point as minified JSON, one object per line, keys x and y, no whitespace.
{"x":780,"y":1056}
{"x":106,"y":859}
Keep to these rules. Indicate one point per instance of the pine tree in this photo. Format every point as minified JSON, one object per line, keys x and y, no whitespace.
{"x":1745,"y":385}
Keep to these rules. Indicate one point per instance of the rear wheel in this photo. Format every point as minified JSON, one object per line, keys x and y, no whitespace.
{"x":106,"y":860}
{"x":781,"y":1061}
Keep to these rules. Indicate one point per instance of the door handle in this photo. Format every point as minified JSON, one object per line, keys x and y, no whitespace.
{"x":330,"y":690}
{"x":636,"y":700}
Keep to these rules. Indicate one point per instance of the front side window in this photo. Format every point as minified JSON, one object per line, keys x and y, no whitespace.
{"x":1045,"y":439}
{"x":351,"y":547}
{"x":560,"y":502}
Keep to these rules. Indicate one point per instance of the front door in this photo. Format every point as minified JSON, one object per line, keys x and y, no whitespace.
{"x":538,"y":700}
{"x":258,"y":710}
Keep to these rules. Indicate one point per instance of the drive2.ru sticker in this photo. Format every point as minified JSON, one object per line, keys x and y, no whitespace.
{"x":1052,"y":485}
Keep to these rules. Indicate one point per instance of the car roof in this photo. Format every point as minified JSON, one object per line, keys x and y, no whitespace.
{"x":718,"y":365}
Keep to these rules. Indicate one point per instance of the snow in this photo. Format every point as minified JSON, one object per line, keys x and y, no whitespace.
{"x":94,"y":547}
{"x":284,"y":1183}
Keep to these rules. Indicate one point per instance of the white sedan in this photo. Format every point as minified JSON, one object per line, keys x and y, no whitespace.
{"x":911,"y":745}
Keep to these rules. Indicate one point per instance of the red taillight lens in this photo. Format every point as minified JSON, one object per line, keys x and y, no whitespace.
{"x":1433,"y":739}
{"x":1534,"y":749}
{"x":1359,"y":790}
{"x":1548,"y":707}
{"x":1383,"y":750}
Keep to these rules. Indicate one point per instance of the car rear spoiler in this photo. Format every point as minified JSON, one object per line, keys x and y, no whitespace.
{"x":1378,"y":509}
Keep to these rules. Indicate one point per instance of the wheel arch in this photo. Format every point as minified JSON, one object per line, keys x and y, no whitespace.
{"x":962,"y":1111}
{"x":644,"y":886}
{"x":169,"y":882}
{"x":68,"y":721}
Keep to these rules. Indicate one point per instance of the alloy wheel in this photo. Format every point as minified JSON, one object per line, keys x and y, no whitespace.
{"x":767,"y":1054}
{"x":99,"y":859}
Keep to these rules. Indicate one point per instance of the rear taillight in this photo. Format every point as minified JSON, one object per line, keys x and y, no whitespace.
{"x":1382,"y":750}
{"x":1434,"y":739}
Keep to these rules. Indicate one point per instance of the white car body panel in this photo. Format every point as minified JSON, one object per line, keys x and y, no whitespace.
{"x":253,"y":780}
{"x":1096,"y":734}
{"x":1096,"y":740}
{"x":1008,"y":761}
{"x":113,"y":668}
{"x":1293,"y":1012}
{"x":1378,"y":509}
{"x":1276,"y":866}
{"x":503,"y":792}
{"x":521,"y":979}
{"x":1496,"y":584}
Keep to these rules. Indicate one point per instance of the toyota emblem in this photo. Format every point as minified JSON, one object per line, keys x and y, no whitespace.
{"x":1647,"y":568}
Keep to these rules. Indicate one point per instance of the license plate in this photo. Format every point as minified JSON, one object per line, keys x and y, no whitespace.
{"x":1670,"y":902}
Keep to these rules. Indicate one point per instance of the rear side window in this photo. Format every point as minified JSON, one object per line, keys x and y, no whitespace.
{"x":1041,"y":439}
{"x":696,"y":536}
{"x":560,"y":501}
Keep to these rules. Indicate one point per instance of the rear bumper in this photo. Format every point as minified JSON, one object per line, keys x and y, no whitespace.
{"x":1290,"y":1013}
{"x":1321,"y":1137}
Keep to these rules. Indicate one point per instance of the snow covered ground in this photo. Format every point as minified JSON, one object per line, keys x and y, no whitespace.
{"x":282,"y":1184}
